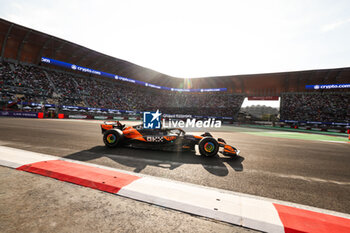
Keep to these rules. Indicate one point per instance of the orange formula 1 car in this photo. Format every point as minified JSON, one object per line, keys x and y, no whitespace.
{"x":166,"y":139}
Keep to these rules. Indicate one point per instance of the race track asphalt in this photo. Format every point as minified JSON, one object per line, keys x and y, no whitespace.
{"x":310,"y":172}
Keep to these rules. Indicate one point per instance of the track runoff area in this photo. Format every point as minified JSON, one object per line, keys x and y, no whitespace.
{"x":281,"y":182}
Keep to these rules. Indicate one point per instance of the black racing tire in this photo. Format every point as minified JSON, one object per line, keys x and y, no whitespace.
{"x":112,"y":138}
{"x":208,"y":147}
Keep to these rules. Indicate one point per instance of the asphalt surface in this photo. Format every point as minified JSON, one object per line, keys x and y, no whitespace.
{"x":310,"y":172}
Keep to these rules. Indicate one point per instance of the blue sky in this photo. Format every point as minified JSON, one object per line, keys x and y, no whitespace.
{"x":199,"y":38}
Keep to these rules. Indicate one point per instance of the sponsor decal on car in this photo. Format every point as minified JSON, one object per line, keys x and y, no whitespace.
{"x":155,"y":139}
{"x":169,"y":138}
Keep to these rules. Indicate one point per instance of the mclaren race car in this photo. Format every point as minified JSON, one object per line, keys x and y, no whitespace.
{"x":116,"y":134}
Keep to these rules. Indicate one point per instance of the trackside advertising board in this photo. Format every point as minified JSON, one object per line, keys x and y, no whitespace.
{"x":117,"y":77}
{"x":316,"y":122}
{"x":327,"y":86}
{"x":263,"y":98}
{"x":19,"y":114}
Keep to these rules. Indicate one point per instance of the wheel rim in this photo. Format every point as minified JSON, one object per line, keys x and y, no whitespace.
{"x":111,"y":138}
{"x":209,"y":147}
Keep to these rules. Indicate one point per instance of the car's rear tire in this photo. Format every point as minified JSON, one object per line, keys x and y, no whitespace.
{"x":208,"y":147}
{"x":112,"y":138}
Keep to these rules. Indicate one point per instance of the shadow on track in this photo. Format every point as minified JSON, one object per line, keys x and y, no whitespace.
{"x":140,"y":159}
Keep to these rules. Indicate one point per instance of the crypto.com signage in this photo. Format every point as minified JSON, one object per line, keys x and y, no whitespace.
{"x":327,"y":86}
{"x":113,"y":76}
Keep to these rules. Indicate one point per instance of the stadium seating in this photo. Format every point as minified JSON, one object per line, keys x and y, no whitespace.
{"x":316,"y":106}
{"x":60,"y":88}
{"x":39,"y":85}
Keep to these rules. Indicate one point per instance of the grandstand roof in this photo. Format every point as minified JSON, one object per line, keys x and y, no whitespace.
{"x":27,"y":45}
{"x":22,"y":44}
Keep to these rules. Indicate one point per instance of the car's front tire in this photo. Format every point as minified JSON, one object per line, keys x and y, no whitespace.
{"x":208,"y":147}
{"x":112,"y":138}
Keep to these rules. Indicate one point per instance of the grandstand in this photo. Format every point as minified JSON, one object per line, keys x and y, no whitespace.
{"x":36,"y":85}
{"x":25,"y":79}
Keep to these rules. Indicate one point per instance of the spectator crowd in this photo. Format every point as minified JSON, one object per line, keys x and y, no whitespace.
{"x":321,"y":107}
{"x":20,"y":83}
{"x":33,"y":84}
